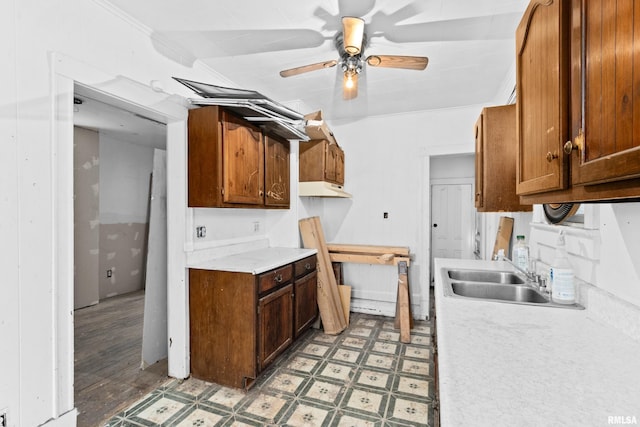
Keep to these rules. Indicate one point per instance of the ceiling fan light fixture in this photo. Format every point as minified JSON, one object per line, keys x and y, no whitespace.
{"x":353,"y":33}
{"x":348,"y":81}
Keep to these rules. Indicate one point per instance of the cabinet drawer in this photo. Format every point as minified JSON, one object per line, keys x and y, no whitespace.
{"x":274,"y":278}
{"x":305,"y":266}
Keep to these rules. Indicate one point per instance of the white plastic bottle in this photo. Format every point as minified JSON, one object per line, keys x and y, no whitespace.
{"x":521,"y":253}
{"x":563,"y":290}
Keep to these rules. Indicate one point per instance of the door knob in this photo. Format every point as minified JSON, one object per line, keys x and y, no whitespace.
{"x":435,"y":225}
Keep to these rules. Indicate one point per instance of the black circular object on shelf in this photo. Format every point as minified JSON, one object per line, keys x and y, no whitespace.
{"x":558,"y":212}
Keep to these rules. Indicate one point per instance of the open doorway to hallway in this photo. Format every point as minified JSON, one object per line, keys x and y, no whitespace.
{"x":119,"y":298}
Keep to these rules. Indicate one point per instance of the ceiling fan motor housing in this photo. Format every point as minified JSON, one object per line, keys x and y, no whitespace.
{"x":352,"y":64}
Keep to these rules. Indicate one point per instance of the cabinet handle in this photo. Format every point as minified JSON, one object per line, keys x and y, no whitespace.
{"x":569,"y":147}
{"x":307,"y":266}
{"x":551,"y":156}
{"x":278,"y":278}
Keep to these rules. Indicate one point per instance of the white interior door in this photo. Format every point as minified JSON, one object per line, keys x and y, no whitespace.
{"x":452,"y":221}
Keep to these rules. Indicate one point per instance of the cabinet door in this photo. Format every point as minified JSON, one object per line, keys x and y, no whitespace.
{"x":306,"y":302}
{"x":339,"y":166}
{"x":223,"y":326}
{"x":277,"y":167}
{"x":542,"y":89}
{"x":330,"y":163}
{"x":205,"y":157}
{"x":243,"y":169}
{"x":479,"y":202}
{"x":275,"y":312}
{"x":606,"y":99}
{"x":496,"y":152}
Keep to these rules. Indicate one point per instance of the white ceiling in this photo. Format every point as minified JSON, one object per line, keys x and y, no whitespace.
{"x":470,"y":45}
{"x":116,"y":119}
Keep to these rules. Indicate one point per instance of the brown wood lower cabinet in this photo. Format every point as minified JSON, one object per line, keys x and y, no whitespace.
{"x":275,"y":312}
{"x":306,"y":302}
{"x":241,"y":322}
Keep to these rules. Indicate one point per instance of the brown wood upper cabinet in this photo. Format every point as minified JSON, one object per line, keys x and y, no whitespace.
{"x":605,"y":117}
{"x":321,"y":160}
{"x":496,"y":147}
{"x":277,"y":184}
{"x":542,"y":91}
{"x":577,"y":76}
{"x":230,"y":162}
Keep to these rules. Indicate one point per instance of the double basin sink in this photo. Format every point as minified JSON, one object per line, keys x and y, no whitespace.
{"x":497,"y":286}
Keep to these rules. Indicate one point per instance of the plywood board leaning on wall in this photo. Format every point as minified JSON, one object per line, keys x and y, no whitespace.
{"x":329,"y":302}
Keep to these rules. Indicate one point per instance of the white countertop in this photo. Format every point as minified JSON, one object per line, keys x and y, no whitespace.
{"x":517,"y":365}
{"x":255,"y":261}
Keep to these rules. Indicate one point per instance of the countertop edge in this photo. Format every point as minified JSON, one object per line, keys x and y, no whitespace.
{"x":256,"y":261}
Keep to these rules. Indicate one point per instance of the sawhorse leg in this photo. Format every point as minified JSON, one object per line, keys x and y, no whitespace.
{"x":404,"y":319}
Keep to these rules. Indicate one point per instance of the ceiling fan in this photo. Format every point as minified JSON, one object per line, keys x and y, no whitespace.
{"x":350,"y":43}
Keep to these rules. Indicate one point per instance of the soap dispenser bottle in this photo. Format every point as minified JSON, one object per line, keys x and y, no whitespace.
{"x":563,"y":290}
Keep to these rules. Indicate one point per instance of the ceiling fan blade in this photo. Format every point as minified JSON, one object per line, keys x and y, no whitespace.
{"x":220,"y":43}
{"x":492,"y":27}
{"x":398,"y":61}
{"x":306,"y":68}
{"x":353,"y":34}
{"x":355,"y":7}
{"x":349,"y":86}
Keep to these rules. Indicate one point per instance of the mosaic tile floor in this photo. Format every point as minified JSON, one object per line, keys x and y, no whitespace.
{"x":362,"y":377}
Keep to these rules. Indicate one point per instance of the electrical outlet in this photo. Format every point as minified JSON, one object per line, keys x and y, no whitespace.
{"x":3,"y":418}
{"x":109,"y":274}
{"x":256,"y":226}
{"x":201,"y":231}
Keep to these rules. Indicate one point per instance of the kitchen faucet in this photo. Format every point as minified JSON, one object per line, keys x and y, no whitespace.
{"x":531,"y":277}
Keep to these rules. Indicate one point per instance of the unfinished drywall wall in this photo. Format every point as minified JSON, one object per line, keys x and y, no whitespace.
{"x":125,"y":173}
{"x":86,"y":212}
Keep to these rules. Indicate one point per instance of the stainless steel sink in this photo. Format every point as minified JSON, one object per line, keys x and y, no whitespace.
{"x":496,"y":286}
{"x":486,"y":276}
{"x":514,"y":293}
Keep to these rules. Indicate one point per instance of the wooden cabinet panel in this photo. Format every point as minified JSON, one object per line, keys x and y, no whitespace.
{"x":222,"y":322}
{"x":274,"y":278}
{"x":603,"y":139}
{"x":605,"y":96}
{"x":229,"y":161}
{"x":305,"y":266}
{"x":276,"y":334}
{"x":243,"y":168}
{"x":339,"y":166}
{"x":306,"y":303}
{"x":496,"y":151}
{"x":277,"y":183}
{"x":321,"y":161}
{"x":204,"y":168}
{"x":542,"y":89}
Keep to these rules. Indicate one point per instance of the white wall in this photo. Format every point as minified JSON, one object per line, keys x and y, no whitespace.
{"x":603,"y":253}
{"x":387,"y":170}
{"x":45,"y":45}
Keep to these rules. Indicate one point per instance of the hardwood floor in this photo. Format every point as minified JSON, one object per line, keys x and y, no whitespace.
{"x":108,"y":347}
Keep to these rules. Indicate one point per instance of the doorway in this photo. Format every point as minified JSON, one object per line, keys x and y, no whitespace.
{"x":452,"y":208}
{"x":115,"y":168}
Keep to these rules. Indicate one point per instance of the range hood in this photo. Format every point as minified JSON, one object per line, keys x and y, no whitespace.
{"x":252,"y":106}
{"x":321,"y":189}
